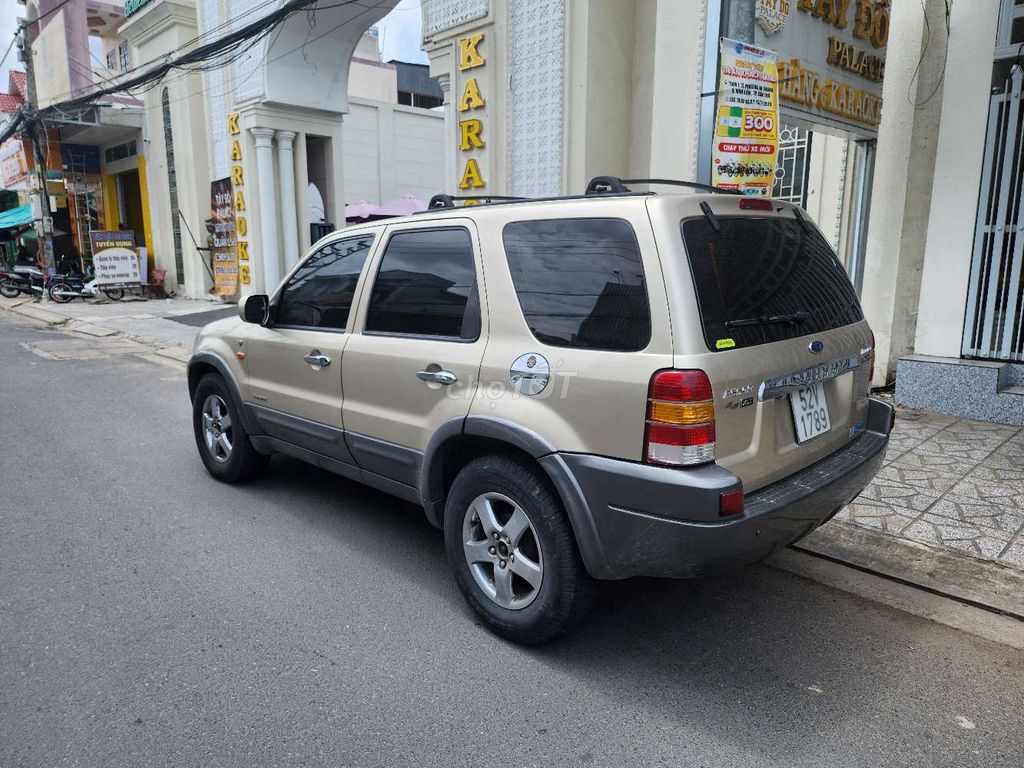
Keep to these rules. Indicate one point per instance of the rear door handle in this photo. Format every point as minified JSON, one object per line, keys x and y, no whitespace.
{"x":441,"y":377}
{"x":316,"y":357}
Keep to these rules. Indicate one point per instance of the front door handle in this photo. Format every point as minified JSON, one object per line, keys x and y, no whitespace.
{"x":441,"y":377}
{"x":318,"y":358}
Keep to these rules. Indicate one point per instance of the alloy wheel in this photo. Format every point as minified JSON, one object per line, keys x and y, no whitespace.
{"x":502,"y":550}
{"x":217,"y":429}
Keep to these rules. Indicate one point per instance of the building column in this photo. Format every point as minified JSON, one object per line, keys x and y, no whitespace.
{"x":289,"y":213}
{"x":268,"y":198}
{"x":444,"y":80}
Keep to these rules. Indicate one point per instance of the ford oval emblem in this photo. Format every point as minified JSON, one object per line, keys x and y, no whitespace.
{"x":816,"y":346}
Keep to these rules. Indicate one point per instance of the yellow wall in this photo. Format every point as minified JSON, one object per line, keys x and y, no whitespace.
{"x":109,"y":200}
{"x":146,"y":219}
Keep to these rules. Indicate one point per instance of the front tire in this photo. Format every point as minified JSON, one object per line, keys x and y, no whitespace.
{"x":223,"y":443}
{"x":58,"y":292}
{"x":513,"y":552}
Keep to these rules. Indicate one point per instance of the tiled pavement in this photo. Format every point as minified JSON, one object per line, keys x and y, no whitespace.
{"x":950,"y":483}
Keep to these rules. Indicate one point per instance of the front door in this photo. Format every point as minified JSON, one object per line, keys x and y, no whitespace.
{"x":295,"y":363}
{"x":414,"y":363}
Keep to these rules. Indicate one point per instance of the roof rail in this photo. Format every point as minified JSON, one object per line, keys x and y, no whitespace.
{"x":448,"y":201}
{"x":602,"y":185}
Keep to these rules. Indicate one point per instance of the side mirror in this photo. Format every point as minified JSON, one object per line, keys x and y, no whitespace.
{"x":255,"y":309}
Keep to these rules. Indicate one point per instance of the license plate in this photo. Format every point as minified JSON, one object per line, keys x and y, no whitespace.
{"x":810,"y":412}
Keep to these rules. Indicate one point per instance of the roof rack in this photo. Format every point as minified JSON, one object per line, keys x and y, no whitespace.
{"x":448,"y":201}
{"x":603,"y":185}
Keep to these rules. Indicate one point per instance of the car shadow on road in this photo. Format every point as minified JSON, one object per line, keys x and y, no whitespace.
{"x":754,"y":650}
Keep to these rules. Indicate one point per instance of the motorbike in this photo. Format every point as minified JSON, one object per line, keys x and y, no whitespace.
{"x":22,"y":280}
{"x":65,"y":288}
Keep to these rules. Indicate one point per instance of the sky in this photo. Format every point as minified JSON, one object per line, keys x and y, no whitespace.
{"x":399,"y":34}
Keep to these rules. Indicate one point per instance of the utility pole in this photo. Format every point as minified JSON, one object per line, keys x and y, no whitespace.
{"x":37,"y":134}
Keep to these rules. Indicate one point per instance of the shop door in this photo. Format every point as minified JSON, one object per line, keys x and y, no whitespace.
{"x":994,"y":325}
{"x":130,"y":195}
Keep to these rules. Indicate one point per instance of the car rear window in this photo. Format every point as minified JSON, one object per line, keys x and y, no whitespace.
{"x":580,"y":282}
{"x":760,"y":280}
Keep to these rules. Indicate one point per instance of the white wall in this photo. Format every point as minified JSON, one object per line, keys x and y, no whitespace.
{"x":390,"y":150}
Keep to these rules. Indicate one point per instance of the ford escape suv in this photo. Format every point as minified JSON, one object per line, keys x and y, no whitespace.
{"x":594,"y":387}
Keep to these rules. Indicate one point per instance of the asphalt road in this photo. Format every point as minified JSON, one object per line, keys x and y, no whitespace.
{"x":152,"y":616}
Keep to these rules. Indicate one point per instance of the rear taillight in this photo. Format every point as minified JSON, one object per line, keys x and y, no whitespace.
{"x":680,"y":419}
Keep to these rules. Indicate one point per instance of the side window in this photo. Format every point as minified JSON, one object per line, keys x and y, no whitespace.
{"x":426,"y":286}
{"x":320,"y":293}
{"x":580,"y":282}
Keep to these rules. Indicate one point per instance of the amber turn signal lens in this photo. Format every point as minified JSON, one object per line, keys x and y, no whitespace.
{"x":682,"y":413}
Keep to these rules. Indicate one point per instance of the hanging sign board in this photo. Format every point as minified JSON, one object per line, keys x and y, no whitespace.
{"x":114,"y":258}
{"x":831,"y":56}
{"x":746,"y":140}
{"x":224,"y":248}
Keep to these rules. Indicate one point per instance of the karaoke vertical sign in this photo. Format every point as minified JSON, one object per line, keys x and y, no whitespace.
{"x":746,"y":141}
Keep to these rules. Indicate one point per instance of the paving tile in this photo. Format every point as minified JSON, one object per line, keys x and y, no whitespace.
{"x":986,"y":543}
{"x":936,"y":460}
{"x":986,"y":514}
{"x":930,"y":480}
{"x":973,"y":452}
{"x":1013,"y":555}
{"x":876,"y":515}
{"x":1000,"y":460}
{"x":902,"y":444}
{"x":902,"y":497}
{"x":986,"y":428}
{"x":990,"y":471}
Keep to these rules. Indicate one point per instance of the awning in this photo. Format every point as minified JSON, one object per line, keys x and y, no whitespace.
{"x":16,"y":217}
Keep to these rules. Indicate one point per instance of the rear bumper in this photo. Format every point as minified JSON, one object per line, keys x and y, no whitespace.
{"x":633,"y":519}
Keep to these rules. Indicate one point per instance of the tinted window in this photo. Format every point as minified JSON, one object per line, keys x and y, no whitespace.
{"x":426,"y":285}
{"x":580,"y":282}
{"x":756,"y":271}
{"x":320,"y":293}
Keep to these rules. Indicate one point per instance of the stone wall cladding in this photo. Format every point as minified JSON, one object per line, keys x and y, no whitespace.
{"x":968,"y":388}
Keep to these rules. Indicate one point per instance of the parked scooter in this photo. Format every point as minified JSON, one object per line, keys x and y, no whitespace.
{"x":64,"y":288}
{"x":22,"y":280}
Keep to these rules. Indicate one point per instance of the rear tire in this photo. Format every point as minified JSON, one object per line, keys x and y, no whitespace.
{"x":547,"y":591}
{"x":8,"y":288}
{"x":114,"y":294}
{"x":223,"y":443}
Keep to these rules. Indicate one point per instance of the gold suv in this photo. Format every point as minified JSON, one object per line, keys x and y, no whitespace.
{"x":616,"y":384}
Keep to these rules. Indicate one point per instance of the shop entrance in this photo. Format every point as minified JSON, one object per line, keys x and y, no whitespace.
{"x":129,"y":205}
{"x":994,"y":325}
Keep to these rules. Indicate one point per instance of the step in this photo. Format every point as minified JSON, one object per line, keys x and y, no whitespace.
{"x":1014,"y":390}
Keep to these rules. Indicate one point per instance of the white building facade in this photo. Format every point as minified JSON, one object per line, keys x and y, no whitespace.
{"x":271,"y":118}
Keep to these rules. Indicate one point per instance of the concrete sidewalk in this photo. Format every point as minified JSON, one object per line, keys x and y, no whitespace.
{"x":946,"y":511}
{"x":168,"y":325}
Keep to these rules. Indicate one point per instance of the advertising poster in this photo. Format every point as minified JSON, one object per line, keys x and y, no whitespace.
{"x":224,"y":246}
{"x":114,"y":258}
{"x":746,"y":141}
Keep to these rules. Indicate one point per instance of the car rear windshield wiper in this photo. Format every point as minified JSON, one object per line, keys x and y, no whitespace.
{"x":793,"y":317}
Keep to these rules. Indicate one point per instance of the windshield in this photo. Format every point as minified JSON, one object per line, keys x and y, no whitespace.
{"x":762,"y":279}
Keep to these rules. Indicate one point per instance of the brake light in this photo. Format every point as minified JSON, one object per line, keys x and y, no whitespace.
{"x":755,"y":204}
{"x":680,"y":430}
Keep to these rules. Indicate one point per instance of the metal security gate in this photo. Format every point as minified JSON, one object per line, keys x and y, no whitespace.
{"x":994,"y":325}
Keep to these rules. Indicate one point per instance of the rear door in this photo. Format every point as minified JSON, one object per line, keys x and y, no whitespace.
{"x":767,"y":310}
{"x":414,"y":363}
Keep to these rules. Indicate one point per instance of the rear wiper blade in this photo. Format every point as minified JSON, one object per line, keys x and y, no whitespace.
{"x":793,"y":317}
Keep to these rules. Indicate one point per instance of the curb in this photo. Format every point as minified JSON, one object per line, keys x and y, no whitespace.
{"x":979,"y":583}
